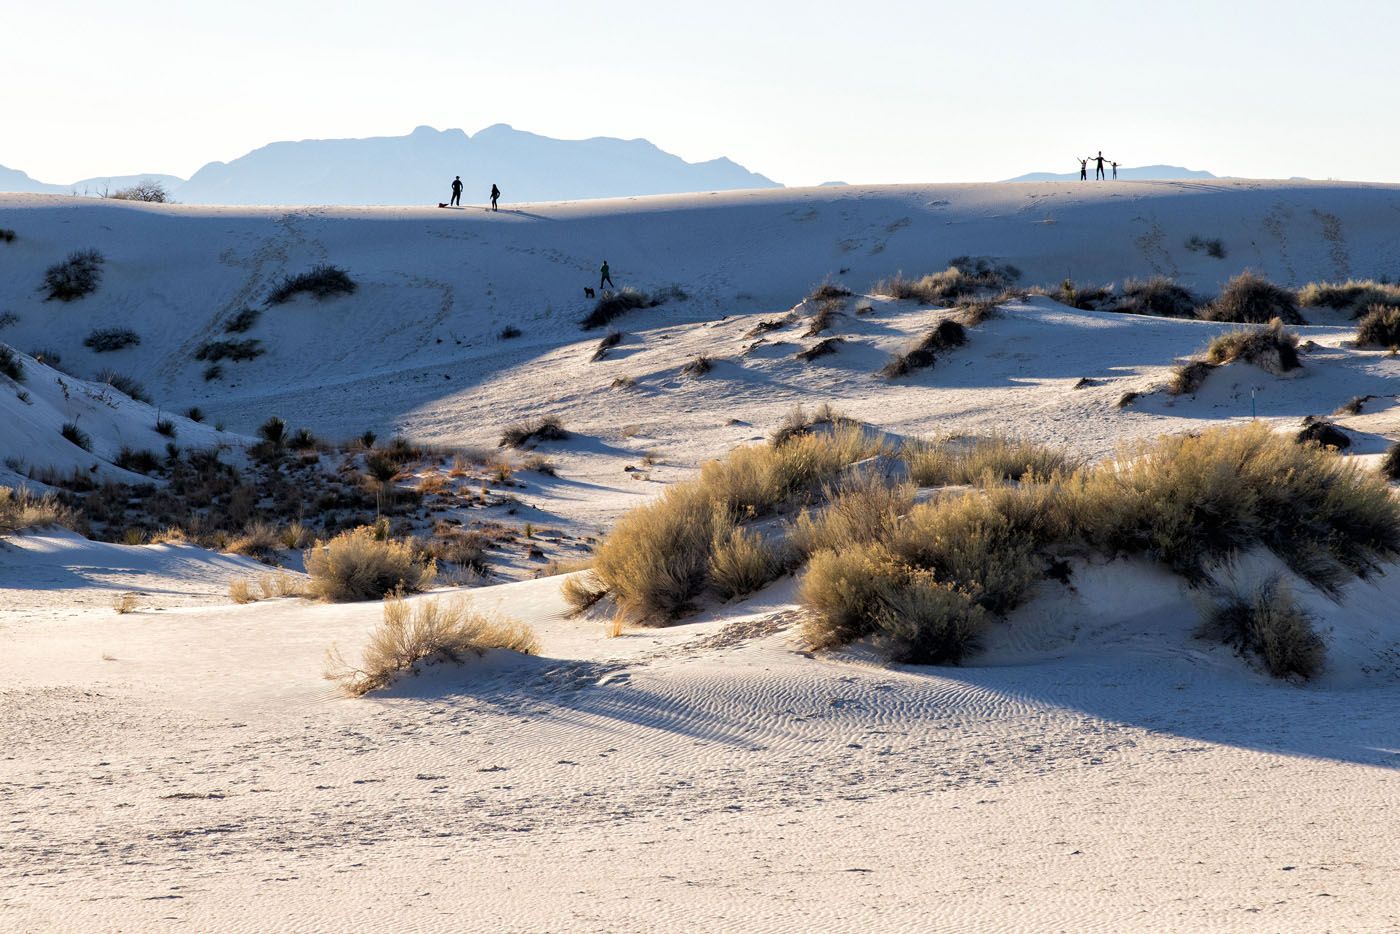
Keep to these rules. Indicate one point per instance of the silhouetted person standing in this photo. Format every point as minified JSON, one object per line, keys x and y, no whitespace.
{"x":604,"y":276}
{"x":457,"y":191}
{"x":1083,"y":170}
{"x":1115,"y":170}
{"x":495,"y":193}
{"x":1098,"y":169}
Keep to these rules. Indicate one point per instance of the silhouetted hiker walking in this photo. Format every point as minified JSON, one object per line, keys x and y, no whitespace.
{"x":495,"y":193}
{"x":604,"y":276}
{"x":1098,"y":170}
{"x":1083,"y":170}
{"x":1115,"y":170}
{"x":457,"y":191}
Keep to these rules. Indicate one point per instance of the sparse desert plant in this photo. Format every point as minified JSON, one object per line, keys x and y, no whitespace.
{"x":799,"y":421}
{"x":236,"y":350}
{"x":525,"y":434}
{"x":357,"y":565}
{"x":1352,"y":406}
{"x":860,"y":510}
{"x":1087,"y":298}
{"x":1379,"y":327}
{"x":1251,"y":299}
{"x":925,"y":622}
{"x":1390,"y":462}
{"x":259,"y":540}
{"x":194,"y":413}
{"x":242,"y":320}
{"x":1189,"y":377}
{"x":76,"y":276}
{"x":123,"y":603}
{"x":105,"y":340}
{"x":612,"y":306}
{"x":240,"y":591}
{"x":828,"y":291}
{"x":974,"y":312}
{"x":823,"y":347}
{"x":21,"y":508}
{"x":143,"y":461}
{"x":273,"y":431}
{"x":366,"y":440}
{"x":947,"y":335}
{"x":824,"y":317}
{"x":698,"y":366}
{"x":76,"y":435}
{"x":1268,"y":623}
{"x":1213,"y":247}
{"x":624,"y":382}
{"x":1323,"y":433}
{"x":429,"y":630}
{"x":10,"y":364}
{"x":609,"y":341}
{"x":7,"y":235}
{"x":165,"y":426}
{"x":509,"y":332}
{"x":123,"y":384}
{"x":582,"y":591}
{"x":964,"y":278}
{"x":540,"y":464}
{"x":845,"y":593}
{"x":763,"y":327}
{"x":1354,"y":295}
{"x":294,"y":535}
{"x":1273,"y":348}
{"x":47,"y":356}
{"x":212,"y":372}
{"x":940,"y":463}
{"x":741,"y":561}
{"x":1160,"y":296}
{"x":321,"y":281}
{"x":302,"y":440}
{"x":149,"y":190}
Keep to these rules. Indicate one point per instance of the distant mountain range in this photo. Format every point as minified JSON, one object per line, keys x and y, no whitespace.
{"x":419,"y":168}
{"x":1124,"y":172}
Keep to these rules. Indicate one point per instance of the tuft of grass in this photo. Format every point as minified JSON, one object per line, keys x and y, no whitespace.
{"x":242,"y":320}
{"x":799,"y":421}
{"x":259,"y":540}
{"x":827,"y":345}
{"x":1249,"y":298}
{"x":526,"y":434}
{"x":1379,"y":327}
{"x":240,"y":591}
{"x":1087,"y":298}
{"x":123,"y":603}
{"x":1188,"y":378}
{"x":1268,"y":623}
{"x":1322,"y":433}
{"x":360,"y":565}
{"x":10,"y":364}
{"x":105,"y":340}
{"x":824,"y":317}
{"x":943,"y":463}
{"x":22,"y":509}
{"x":509,"y":332}
{"x":1213,"y":247}
{"x":609,"y":341}
{"x":165,"y":426}
{"x":582,"y":591}
{"x":321,"y":281}
{"x":698,"y":367}
{"x":76,"y":435}
{"x":124,"y":384}
{"x":427,"y":631}
{"x":302,"y":440}
{"x":1160,"y":296}
{"x":75,"y":277}
{"x":829,"y":291}
{"x":236,"y":350}
{"x":964,"y":278}
{"x":143,"y":462}
{"x":1273,"y":348}
{"x":1354,"y":295}
{"x":947,"y":335}
{"x":1390,"y":462}
{"x":741,"y":561}
{"x":612,"y":306}
{"x":213,"y":372}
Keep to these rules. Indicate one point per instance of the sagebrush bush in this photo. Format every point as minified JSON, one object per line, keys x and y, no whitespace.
{"x":235,"y":350}
{"x":925,"y":622}
{"x":964,"y":278}
{"x":861,"y":509}
{"x":619,"y":303}
{"x":242,"y":320}
{"x":525,"y":434}
{"x":1273,"y":348}
{"x":1390,"y":462}
{"x":1251,"y":299}
{"x":76,"y":276}
{"x":321,"y":281}
{"x":105,"y":340}
{"x":425,"y":631}
{"x":259,"y":540}
{"x":76,"y":435}
{"x":1160,"y":296}
{"x":940,"y":463}
{"x":1379,"y":327}
{"x":357,"y":565}
{"x":10,"y":364}
{"x":123,"y":384}
{"x":924,"y":352}
{"x":22,"y":509}
{"x":609,"y":341}
{"x":1188,"y":378}
{"x":1354,"y":295}
{"x":828,"y":291}
{"x":741,"y":561}
{"x":698,"y":366}
{"x":1268,"y":623}
{"x":822,"y":348}
{"x":799,"y":421}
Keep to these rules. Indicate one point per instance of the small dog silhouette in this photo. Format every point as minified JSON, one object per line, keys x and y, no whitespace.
{"x":442,"y":204}
{"x":588,"y":293}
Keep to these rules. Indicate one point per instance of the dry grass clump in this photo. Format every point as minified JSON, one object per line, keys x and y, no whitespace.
{"x":1390,"y":462}
{"x":427,"y":631}
{"x":947,"y":335}
{"x":1273,"y":348}
{"x":358,"y":565}
{"x":76,"y":276}
{"x":829,"y":291}
{"x":236,"y":350}
{"x":1323,"y":433}
{"x":862,"y":509}
{"x":1379,"y":327}
{"x":10,"y":364}
{"x":799,"y":421}
{"x":1251,"y":299}
{"x":242,"y":320}
{"x":1188,"y":378}
{"x":582,"y":591}
{"x":611,"y":306}
{"x":825,"y":316}
{"x":322,"y":281}
{"x":1353,"y":406}
{"x":240,"y":591}
{"x":699,"y":366}
{"x":1268,"y":623}
{"x":526,"y":434}
{"x":741,"y":561}
{"x":1354,"y":295}
{"x":123,"y":384}
{"x":609,"y":341}
{"x":124,"y":603}
{"x":1159,"y":296}
{"x":106,"y":340}
{"x":259,"y":540}
{"x":1088,"y":298}
{"x":941,"y":463}
{"x":973,"y":312}
{"x":266,"y":587}
{"x":75,"y":435}
{"x":964,"y":278}
{"x":823,"y":347}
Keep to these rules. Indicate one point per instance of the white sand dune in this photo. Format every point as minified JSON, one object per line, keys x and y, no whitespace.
{"x":1095,"y":767}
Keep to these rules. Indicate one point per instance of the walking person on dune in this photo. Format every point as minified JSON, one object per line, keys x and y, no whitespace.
{"x":1083,"y":170}
{"x":604,"y":276}
{"x":1098,"y":170}
{"x":495,"y":193}
{"x":457,"y":191}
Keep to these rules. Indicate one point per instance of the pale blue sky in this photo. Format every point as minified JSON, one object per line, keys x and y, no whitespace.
{"x":878,"y":91}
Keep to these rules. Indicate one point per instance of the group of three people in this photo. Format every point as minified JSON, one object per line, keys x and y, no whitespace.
{"x":1098,"y":169}
{"x":457,"y":193}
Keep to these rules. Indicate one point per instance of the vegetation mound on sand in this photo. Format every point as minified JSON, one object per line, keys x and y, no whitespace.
{"x":321,"y":281}
{"x":105,"y":340}
{"x":1251,"y":299}
{"x":619,"y":303}
{"x":1354,"y":295}
{"x":360,"y":565}
{"x":76,"y":276}
{"x":923,"y":580}
{"x":1086,"y":298}
{"x":1379,"y":327}
{"x":526,"y":434}
{"x":22,"y":509}
{"x":1322,"y":432}
{"x":1160,"y":296}
{"x":1273,"y":348}
{"x":827,"y":291}
{"x":1390,"y":462}
{"x":1267,"y":623}
{"x":426,"y":631}
{"x":947,"y":335}
{"x":965,"y":277}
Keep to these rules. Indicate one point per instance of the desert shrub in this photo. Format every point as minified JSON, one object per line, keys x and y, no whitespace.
{"x":273,"y":431}
{"x":1322,"y":432}
{"x":242,"y":320}
{"x":540,"y":464}
{"x":1212,"y":246}
{"x":302,"y":440}
{"x":321,"y":281}
{"x":10,"y":364}
{"x":741,"y":561}
{"x":123,"y":384}
{"x":194,"y":413}
{"x":240,"y":591}
{"x":124,"y":603}
{"x":143,"y":461}
{"x":925,"y":622}
{"x":1352,"y":406}
{"x":21,"y":508}
{"x":1188,"y":378}
{"x":76,"y":276}
{"x":799,"y":421}
{"x":763,"y":327}
{"x":7,"y":319}
{"x":76,"y":435}
{"x":947,"y":335}
{"x":845,"y":593}
{"x":212,"y":372}
{"x":1354,"y":295}
{"x":698,"y":367}
{"x":1268,"y":623}
{"x":619,"y":303}
{"x":1390,"y":462}
{"x":997,"y":457}
{"x":1251,"y":299}
{"x":1159,"y":296}
{"x":525,"y":434}
{"x":582,"y":591}
{"x":366,"y":440}
{"x":823,"y":347}
{"x":147,"y":189}
{"x":104,"y":340}
{"x":975,"y":311}
{"x":357,"y":565}
{"x":7,"y":235}
{"x":609,"y":341}
{"x":509,"y":332}
{"x":259,"y":540}
{"x":165,"y":426}
{"x":1087,"y":298}
{"x":429,"y":630}
{"x":824,"y":316}
{"x":1273,"y":348}
{"x":47,"y":356}
{"x":828,"y":291}
{"x":860,"y":510}
{"x":964,"y":278}
{"x":1379,"y":327}
{"x":237,"y":351}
